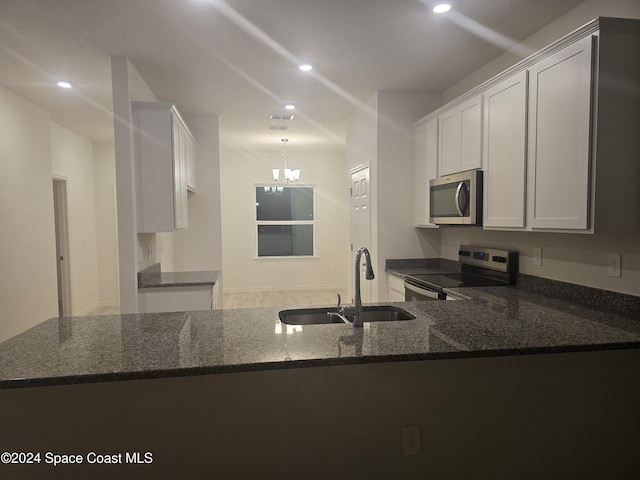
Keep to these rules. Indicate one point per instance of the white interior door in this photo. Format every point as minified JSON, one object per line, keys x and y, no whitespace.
{"x":360,"y":228}
{"x":62,"y":247}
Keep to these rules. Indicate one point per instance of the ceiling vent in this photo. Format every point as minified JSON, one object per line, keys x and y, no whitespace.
{"x":278,"y":127}
{"x":276,"y":116}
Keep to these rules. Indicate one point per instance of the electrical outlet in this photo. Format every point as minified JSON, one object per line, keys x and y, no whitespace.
{"x":613,"y":265}
{"x":411,"y":440}
{"x":537,"y":257}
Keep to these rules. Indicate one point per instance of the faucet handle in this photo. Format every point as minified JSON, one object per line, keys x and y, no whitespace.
{"x":339,"y":301}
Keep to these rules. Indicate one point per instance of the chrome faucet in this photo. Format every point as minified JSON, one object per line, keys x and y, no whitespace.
{"x":357,"y":310}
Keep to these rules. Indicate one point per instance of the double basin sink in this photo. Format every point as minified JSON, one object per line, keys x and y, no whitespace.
{"x":325,"y":315}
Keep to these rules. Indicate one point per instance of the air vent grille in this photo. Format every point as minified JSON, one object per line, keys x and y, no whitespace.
{"x":278,"y":127}
{"x":276,"y":116}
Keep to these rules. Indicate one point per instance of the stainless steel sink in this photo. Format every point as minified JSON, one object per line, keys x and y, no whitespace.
{"x":318,"y":316}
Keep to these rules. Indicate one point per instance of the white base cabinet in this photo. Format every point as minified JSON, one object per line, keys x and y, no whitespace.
{"x":178,"y":299}
{"x":396,"y":288}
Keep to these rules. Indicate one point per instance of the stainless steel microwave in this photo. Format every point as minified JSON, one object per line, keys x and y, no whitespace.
{"x":456,"y":199}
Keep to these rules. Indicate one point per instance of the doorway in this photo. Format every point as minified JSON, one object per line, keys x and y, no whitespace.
{"x":62,"y":246}
{"x":360,"y":226}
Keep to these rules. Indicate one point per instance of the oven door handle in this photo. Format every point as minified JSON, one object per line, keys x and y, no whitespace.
{"x":421,"y":290}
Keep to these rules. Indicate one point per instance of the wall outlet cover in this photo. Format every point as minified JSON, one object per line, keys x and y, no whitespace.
{"x":537,"y":257}
{"x":411,"y":440}
{"x":613,"y":265}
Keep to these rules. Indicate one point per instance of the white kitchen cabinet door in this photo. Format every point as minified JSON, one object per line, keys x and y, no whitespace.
{"x":426,"y":168}
{"x":191,"y":162}
{"x":180,"y":174}
{"x":471,"y":134}
{"x":460,"y":137}
{"x":449,"y":142}
{"x":395,"y":288}
{"x":559,"y":138}
{"x":505,"y":147}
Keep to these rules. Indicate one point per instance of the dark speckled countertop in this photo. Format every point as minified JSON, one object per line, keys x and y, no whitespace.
{"x":492,"y":321}
{"x":152,"y":277}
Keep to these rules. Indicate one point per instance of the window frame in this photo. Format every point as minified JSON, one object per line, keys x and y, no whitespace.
{"x":313,"y":223}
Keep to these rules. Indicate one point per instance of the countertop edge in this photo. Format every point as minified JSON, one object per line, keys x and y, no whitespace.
{"x":306,"y":363}
{"x":155,"y":279}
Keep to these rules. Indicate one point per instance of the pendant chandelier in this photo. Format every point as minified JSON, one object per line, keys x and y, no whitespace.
{"x":290,"y":174}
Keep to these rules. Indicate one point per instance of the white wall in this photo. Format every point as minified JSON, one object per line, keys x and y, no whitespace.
{"x":381,"y":133}
{"x":106,"y":231}
{"x":34,"y":150}
{"x":240,"y":171}
{"x":573,"y":258}
{"x":397,"y":238}
{"x":72,"y":160}
{"x":572,"y":20}
{"x":199,"y":247}
{"x":362,"y":149}
{"x":28,"y":292}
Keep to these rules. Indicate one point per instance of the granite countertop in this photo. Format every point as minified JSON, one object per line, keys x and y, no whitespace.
{"x":152,"y":277}
{"x":413,"y":266}
{"x":492,"y":321}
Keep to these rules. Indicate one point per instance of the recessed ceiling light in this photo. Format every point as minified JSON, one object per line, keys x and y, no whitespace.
{"x":306,"y":67}
{"x":64,"y":84}
{"x":290,"y":106}
{"x":442,"y":8}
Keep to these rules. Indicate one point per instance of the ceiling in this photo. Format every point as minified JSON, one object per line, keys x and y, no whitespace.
{"x":238,"y":58}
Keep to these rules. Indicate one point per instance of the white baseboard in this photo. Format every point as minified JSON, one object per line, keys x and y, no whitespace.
{"x":91,"y":308}
{"x":284,"y":288}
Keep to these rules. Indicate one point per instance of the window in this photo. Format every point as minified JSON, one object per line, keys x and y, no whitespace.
{"x":285,"y":221}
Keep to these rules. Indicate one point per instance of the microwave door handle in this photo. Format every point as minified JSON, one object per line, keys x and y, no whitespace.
{"x":458,"y":190}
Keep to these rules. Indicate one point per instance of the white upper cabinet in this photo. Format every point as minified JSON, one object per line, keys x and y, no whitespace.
{"x":505,"y":146}
{"x":560,"y":142}
{"x":163,"y":145}
{"x":426,"y":168}
{"x":559,"y":138}
{"x":460,"y":137}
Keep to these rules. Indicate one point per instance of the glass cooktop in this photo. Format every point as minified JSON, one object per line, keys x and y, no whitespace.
{"x":439,"y":281}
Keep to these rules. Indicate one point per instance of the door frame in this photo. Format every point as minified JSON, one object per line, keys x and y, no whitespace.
{"x":61,"y":219}
{"x":367,"y":289}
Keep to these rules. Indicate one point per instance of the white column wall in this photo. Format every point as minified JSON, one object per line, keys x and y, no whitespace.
{"x":106,"y":231}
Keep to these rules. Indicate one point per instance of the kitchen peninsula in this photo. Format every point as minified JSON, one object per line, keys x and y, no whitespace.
{"x":530,"y":376}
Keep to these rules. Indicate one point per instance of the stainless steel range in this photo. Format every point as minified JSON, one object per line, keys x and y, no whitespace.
{"x":480,"y":267}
